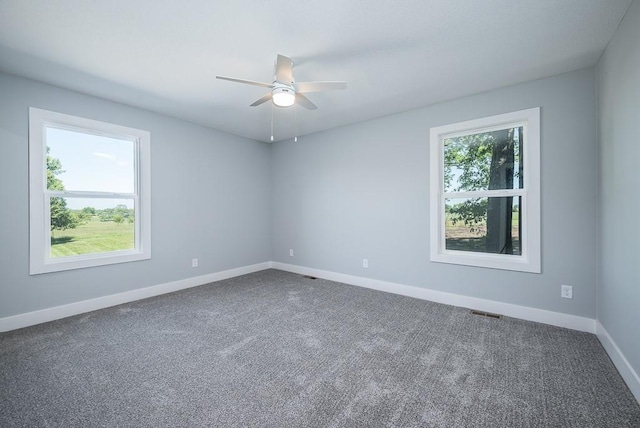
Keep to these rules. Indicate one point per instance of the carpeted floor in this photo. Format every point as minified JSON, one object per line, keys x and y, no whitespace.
{"x":275,"y":349}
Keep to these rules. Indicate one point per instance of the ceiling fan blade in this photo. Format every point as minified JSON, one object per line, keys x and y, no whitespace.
{"x":284,"y":71}
{"x":262,"y":100}
{"x":306,"y":87}
{"x":248,"y":82}
{"x":305,"y":102}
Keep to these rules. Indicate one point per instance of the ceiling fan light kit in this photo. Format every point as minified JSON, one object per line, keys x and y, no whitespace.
{"x":283,"y":96}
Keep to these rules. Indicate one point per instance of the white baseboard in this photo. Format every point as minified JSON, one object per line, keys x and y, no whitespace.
{"x":58,"y":312}
{"x":516,"y":311}
{"x":627,"y":372}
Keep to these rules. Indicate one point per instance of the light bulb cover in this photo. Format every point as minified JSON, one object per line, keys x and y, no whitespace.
{"x":283,"y":96}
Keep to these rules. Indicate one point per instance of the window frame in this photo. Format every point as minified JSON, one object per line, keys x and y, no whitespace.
{"x":530,"y":258}
{"x":40,"y":197}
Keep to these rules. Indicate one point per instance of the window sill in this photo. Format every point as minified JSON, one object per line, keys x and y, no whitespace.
{"x":492,"y":261}
{"x":86,"y":261}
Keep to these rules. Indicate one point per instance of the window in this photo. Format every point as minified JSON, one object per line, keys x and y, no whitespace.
{"x":485,"y":192}
{"x":89,"y":198}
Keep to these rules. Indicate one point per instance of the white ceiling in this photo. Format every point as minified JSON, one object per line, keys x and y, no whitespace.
{"x":163,"y":55}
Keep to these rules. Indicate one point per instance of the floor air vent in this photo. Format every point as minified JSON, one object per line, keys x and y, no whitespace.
{"x":486,"y":314}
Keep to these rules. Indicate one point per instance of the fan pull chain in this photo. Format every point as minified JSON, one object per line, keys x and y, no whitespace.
{"x":295,"y":112}
{"x":272,"y":122}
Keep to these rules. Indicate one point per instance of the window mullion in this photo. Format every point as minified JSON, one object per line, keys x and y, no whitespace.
{"x":497,"y":193}
{"x":88,"y":194}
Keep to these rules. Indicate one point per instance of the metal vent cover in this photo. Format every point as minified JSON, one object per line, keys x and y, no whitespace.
{"x":486,"y":314}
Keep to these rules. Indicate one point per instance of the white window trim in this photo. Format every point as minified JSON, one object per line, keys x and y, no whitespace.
{"x":529,"y":261}
{"x":39,"y":221}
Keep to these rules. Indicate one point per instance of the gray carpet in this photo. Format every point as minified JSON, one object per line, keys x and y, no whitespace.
{"x":274,"y":349}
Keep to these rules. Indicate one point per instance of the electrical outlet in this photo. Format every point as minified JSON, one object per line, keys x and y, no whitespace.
{"x":291,"y":252}
{"x":194,"y":263}
{"x":566,"y":291}
{"x":365,"y":263}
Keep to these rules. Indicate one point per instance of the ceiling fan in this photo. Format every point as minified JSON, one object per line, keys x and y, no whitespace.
{"x":284,"y":90}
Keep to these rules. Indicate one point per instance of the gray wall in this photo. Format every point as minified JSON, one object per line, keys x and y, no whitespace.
{"x":210,"y":200}
{"x":619,"y":238}
{"x":335,"y":197}
{"x":362,"y":191}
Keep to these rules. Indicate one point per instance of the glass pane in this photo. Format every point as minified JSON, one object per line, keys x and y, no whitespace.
{"x":86,"y":162}
{"x":484,"y":161}
{"x":91,"y":225}
{"x":484,"y":225}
